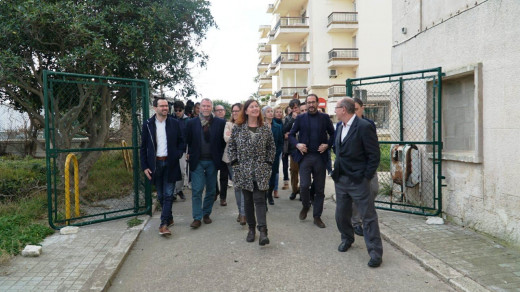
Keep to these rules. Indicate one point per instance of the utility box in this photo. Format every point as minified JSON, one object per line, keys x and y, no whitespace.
{"x":405,"y":166}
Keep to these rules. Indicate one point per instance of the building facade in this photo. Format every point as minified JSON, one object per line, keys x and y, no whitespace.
{"x":476,"y":44}
{"x":313,"y":46}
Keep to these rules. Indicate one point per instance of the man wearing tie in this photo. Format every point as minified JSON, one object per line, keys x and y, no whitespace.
{"x":357,"y":159}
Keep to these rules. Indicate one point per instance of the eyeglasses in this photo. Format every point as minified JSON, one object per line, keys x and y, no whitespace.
{"x":220,"y":110}
{"x":178,"y":110}
{"x":236,"y":111}
{"x":339,"y":107}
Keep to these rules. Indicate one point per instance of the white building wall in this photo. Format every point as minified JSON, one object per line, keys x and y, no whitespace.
{"x":374,"y":37}
{"x":454,"y":34}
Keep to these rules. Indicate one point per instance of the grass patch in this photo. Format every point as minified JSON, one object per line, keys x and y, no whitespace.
{"x":384,"y":163}
{"x":22,"y":222}
{"x":134,"y":222}
{"x":21,"y":176}
{"x":108,"y":178}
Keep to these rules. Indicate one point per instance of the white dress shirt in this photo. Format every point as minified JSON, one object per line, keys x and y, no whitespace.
{"x":162,"y":146}
{"x":346,"y":128}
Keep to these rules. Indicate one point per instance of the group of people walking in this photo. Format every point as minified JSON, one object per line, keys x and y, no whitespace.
{"x":248,"y":148}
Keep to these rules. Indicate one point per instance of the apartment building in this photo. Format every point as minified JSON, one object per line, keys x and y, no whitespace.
{"x":313,"y":46}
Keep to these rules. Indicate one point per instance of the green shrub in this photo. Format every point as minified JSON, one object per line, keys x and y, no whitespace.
{"x":21,"y":176}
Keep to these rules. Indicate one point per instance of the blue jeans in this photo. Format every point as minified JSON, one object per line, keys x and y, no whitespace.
{"x":205,"y":174}
{"x":239,"y":196}
{"x":164,"y":190}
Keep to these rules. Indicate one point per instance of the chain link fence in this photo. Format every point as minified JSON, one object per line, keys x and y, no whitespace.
{"x":406,"y":109}
{"x":95,"y":120}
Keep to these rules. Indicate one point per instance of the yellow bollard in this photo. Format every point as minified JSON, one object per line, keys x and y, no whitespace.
{"x":126,"y":156}
{"x":67,"y":185}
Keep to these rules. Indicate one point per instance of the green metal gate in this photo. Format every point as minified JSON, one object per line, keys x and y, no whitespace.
{"x":89,"y":123}
{"x":406,"y":108}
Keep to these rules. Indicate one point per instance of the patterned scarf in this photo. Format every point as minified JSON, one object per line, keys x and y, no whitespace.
{"x":206,"y":123}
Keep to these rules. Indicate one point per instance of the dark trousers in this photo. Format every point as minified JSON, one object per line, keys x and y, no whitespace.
{"x":312,"y":169}
{"x":347,"y":192}
{"x":223,"y":178}
{"x":294,"y":176}
{"x":255,"y":200}
{"x":285,"y":166}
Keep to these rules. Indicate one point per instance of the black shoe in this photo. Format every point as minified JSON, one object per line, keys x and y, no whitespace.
{"x":344,"y":246}
{"x":375,"y":262}
{"x":174,"y":198}
{"x":271,"y":202}
{"x":263,"y":239}
{"x":292,"y":196}
{"x":181,"y":195}
{"x":358,"y":230}
{"x":251,"y":234}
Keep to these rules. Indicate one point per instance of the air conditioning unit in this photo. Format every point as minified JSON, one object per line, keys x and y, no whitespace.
{"x":332,"y":73}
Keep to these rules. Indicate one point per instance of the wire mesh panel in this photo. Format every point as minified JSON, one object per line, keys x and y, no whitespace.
{"x":92,"y":130}
{"x":406,"y":110}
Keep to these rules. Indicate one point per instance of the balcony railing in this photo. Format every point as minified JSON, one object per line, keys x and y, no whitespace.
{"x":293,"y":57}
{"x":263,"y":47}
{"x":342,"y":17}
{"x":343,"y":53}
{"x":290,"y":91}
{"x":338,"y":90}
{"x":289,"y":22}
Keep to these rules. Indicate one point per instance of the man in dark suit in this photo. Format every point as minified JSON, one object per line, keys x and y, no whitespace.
{"x":162,"y":146}
{"x":357,"y":159}
{"x":205,"y":139}
{"x":315,"y":136}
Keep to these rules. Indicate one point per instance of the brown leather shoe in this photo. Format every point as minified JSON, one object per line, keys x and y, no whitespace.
{"x":285,"y":185}
{"x":195,"y":224}
{"x":303,"y":213}
{"x":242,"y":220}
{"x":206,"y":219}
{"x":223,"y":202}
{"x":275,"y":194}
{"x":170,"y":222}
{"x":318,"y":222}
{"x":163,"y":230}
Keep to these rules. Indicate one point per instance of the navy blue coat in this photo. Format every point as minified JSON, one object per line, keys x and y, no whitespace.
{"x":175,"y":145}
{"x":193,"y":139}
{"x":276,"y":128}
{"x":301,"y":126}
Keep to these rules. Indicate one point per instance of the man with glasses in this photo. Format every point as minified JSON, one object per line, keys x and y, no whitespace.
{"x":315,"y":136}
{"x":182,"y":118}
{"x":220,"y":112}
{"x":357,"y":159}
{"x":162,"y":146}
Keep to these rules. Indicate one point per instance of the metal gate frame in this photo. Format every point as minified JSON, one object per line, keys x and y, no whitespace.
{"x":434,"y":76}
{"x":50,"y":79}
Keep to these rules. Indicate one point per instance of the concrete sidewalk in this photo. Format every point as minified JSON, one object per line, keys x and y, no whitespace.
{"x":85,"y":261}
{"x":88,"y":260}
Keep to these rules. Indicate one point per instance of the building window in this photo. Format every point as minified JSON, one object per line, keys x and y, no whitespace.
{"x":462,"y":114}
{"x":379,"y":112}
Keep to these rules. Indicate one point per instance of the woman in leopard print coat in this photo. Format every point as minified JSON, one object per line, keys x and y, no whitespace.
{"x":251,"y":151}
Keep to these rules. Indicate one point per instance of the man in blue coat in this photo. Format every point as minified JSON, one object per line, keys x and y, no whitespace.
{"x":315,"y":136}
{"x":161,"y":147}
{"x":205,"y":139}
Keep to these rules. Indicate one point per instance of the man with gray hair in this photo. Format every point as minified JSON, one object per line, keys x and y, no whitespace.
{"x":357,"y":159}
{"x":205,"y":140}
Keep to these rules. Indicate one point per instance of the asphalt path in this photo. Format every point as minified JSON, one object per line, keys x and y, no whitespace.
{"x":300,"y":257}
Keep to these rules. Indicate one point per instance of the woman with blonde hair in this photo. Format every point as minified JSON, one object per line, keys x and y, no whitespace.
{"x":251,"y":154}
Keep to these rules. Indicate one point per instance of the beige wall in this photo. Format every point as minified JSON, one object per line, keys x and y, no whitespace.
{"x":481,"y":195}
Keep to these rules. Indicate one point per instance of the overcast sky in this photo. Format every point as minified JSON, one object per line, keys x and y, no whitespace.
{"x":232,"y":50}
